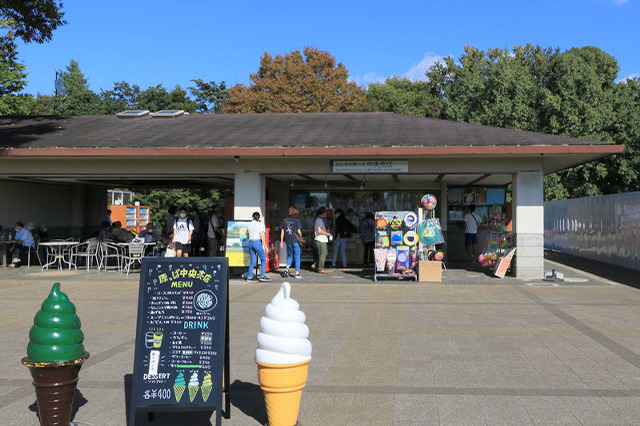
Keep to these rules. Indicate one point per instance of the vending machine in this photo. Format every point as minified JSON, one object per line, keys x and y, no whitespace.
{"x":133,"y":218}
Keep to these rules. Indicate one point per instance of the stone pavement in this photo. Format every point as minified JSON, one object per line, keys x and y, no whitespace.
{"x":464,"y":352}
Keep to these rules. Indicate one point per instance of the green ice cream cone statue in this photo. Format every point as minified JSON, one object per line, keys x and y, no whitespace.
{"x":54,"y":356}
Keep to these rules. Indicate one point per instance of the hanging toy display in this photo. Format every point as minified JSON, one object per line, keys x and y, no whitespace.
{"x":429,"y":201}
{"x":429,"y":232}
{"x":392,"y":256}
{"x":410,"y":238}
{"x":410,"y":220}
{"x":382,"y":239}
{"x":396,"y":238}
{"x":395,"y":223}
{"x":403,"y":261}
{"x":380,"y":256}
{"x":439,"y":255}
{"x":381,"y":223}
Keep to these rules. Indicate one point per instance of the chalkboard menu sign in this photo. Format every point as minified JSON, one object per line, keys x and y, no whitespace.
{"x":181,"y":336}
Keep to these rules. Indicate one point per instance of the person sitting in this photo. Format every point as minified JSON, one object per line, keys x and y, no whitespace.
{"x":24,"y":240}
{"x":120,"y":234}
{"x":150,"y":234}
{"x":105,"y":231}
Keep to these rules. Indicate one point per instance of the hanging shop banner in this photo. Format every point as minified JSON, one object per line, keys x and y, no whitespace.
{"x":237,"y":248}
{"x":369,"y":166}
{"x":181,"y":336}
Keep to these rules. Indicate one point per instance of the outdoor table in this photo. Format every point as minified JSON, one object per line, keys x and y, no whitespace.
{"x":58,"y":248}
{"x":4,"y":245}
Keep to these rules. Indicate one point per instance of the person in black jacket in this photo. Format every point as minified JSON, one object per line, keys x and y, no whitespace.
{"x":344,"y":231}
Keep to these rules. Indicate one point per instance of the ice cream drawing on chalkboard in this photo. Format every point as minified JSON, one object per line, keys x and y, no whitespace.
{"x":194,"y":385}
{"x":179,"y":386}
{"x":206,"y":386}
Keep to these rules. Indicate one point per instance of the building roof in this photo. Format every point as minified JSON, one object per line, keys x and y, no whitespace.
{"x":312,"y":130}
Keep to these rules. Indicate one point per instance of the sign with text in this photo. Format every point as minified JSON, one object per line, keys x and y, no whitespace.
{"x":181,"y":335}
{"x":369,"y":166}
{"x":237,"y":248}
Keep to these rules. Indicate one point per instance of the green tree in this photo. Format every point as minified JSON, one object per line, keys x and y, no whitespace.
{"x":158,"y":98}
{"x":403,"y":96}
{"x":13,"y":79}
{"x":42,"y":105}
{"x":33,"y":20}
{"x":211,"y":97}
{"x":79,"y":98}
{"x":122,"y":97}
{"x":570,"y":93}
{"x":310,"y":81}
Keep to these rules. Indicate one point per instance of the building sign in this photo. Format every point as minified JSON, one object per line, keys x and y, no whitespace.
{"x":181,"y":335}
{"x":369,"y":166}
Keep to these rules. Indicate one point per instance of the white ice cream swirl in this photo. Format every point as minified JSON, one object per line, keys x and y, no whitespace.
{"x":283,"y":334}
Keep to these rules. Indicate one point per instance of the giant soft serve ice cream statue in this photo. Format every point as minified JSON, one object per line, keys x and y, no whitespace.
{"x":283,"y":356}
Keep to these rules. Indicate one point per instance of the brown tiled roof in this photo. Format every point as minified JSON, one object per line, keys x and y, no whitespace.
{"x":317,"y":130}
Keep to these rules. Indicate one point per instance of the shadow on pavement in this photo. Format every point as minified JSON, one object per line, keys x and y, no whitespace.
{"x":605,"y":270}
{"x":248,"y":398}
{"x":78,"y":401}
{"x":164,"y":417}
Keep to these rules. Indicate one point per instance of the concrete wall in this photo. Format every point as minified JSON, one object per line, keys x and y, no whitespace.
{"x":65,"y":210}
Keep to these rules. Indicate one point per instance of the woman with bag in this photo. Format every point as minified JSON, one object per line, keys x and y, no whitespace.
{"x":291,"y":234}
{"x":321,"y":239}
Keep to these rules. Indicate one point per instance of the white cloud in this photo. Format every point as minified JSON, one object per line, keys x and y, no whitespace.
{"x":418,"y":71}
{"x":629,"y":77}
{"x":367,"y":79}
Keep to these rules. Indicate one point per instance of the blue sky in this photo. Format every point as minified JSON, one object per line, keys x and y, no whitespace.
{"x":161,"y":42}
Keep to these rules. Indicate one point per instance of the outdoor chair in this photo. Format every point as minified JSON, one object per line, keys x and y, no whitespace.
{"x":90,"y":251}
{"x":109,"y":250}
{"x":133,"y":253}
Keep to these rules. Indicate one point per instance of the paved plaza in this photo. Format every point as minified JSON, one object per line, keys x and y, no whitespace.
{"x":473,"y":350}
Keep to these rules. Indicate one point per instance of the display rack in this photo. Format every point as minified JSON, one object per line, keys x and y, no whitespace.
{"x":396,"y":247}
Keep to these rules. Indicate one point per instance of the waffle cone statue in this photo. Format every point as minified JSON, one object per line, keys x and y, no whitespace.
{"x":54,"y":357}
{"x":283,"y":357}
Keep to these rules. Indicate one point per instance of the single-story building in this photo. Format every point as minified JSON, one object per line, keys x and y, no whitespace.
{"x":56,"y":170}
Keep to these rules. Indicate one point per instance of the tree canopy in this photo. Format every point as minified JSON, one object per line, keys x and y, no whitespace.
{"x":13,"y":79}
{"x":571,"y":93}
{"x":33,"y":20}
{"x":308,"y":81}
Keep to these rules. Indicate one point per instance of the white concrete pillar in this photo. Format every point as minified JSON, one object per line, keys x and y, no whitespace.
{"x":528,"y":223}
{"x":248,"y":195}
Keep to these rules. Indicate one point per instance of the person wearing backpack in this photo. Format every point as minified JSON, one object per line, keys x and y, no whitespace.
{"x":214,"y":232}
{"x":182,"y":233}
{"x":344,"y":230}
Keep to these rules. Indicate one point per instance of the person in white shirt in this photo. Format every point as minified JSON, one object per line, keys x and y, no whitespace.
{"x":182,"y":232}
{"x":214,"y":234}
{"x":257,"y":248}
{"x":472,"y":223}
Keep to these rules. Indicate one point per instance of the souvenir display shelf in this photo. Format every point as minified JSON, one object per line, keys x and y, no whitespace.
{"x":396,"y":245}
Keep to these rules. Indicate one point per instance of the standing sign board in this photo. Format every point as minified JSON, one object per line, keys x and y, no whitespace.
{"x":237,"y":248}
{"x":182,"y":336}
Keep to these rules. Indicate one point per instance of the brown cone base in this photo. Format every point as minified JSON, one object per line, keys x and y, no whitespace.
{"x":55,"y":385}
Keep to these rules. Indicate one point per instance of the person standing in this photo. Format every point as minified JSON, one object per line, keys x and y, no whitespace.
{"x":109,"y":216}
{"x":214,"y":234}
{"x":321,"y":239}
{"x":257,"y":248}
{"x":182,"y":233}
{"x":344,"y":230}
{"x":170,"y":220}
{"x":368,"y":238}
{"x":196,"y":238}
{"x":290,"y":230}
{"x":24,"y":240}
{"x":472,"y":223}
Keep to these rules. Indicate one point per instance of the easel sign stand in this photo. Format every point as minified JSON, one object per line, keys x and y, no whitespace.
{"x":182,"y":337}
